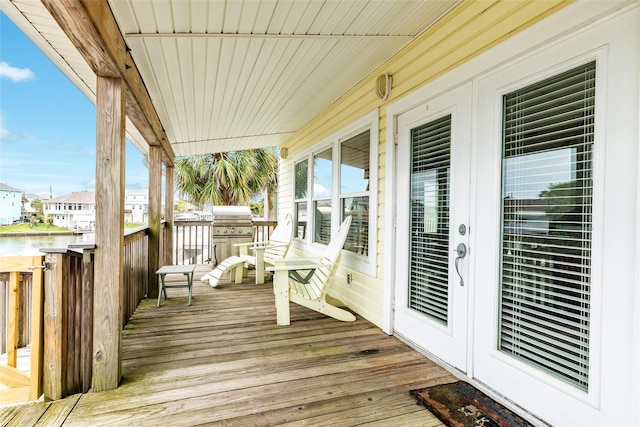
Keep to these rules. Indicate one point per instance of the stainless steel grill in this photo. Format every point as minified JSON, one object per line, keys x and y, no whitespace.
{"x":231,"y":224}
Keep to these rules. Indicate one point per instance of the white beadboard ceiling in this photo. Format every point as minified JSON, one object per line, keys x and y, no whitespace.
{"x":229,"y":75}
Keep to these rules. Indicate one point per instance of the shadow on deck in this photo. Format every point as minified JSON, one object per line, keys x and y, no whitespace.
{"x":223,"y":361}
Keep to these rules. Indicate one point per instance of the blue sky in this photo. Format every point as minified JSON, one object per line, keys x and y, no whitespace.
{"x":47,"y":126}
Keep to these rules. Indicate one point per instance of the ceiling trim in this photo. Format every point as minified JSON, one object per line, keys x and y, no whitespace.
{"x":231,"y":138}
{"x":271,"y":36}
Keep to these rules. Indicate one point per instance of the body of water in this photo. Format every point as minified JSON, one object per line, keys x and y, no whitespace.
{"x":31,"y":245}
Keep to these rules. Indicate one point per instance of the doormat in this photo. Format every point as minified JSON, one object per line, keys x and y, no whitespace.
{"x":460,"y":404}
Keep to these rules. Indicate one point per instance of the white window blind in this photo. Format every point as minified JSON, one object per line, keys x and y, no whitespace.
{"x":548,"y":133}
{"x":429,"y":251}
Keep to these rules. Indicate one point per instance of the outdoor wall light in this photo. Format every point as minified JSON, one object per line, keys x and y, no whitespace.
{"x":383,"y":86}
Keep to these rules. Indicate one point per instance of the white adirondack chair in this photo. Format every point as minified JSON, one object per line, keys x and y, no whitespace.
{"x":305,"y":281}
{"x":261,"y":252}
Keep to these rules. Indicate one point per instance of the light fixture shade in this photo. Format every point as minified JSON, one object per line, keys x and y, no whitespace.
{"x":383,"y":86}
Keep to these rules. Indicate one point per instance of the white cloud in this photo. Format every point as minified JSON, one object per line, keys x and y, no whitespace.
{"x":15,"y":74}
{"x":320,"y":191}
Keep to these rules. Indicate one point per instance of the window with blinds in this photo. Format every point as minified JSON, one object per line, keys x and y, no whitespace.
{"x":548,"y":134}
{"x":429,"y":251}
{"x":300,"y":201}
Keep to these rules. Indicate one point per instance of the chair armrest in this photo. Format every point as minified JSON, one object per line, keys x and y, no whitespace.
{"x":247,"y":244}
{"x":297,"y":264}
{"x":262,"y":244}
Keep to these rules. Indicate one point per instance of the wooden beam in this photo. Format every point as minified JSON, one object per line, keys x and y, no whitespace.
{"x":93,"y":30}
{"x":109,"y":256}
{"x":155,"y":197}
{"x":71,"y":17}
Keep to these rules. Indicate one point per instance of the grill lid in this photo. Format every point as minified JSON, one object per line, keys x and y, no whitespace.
{"x":231,"y":214}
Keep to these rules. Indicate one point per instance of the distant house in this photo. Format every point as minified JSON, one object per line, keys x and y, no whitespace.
{"x":75,"y":211}
{"x":27,"y":209}
{"x":10,"y":204}
{"x":136,"y":205}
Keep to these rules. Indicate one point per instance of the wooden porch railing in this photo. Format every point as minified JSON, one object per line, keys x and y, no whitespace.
{"x":65,"y":302}
{"x":193,"y":242}
{"x":262,"y":229}
{"x":136,"y":277}
{"x":55,"y":312}
{"x":21,"y":322}
{"x":68,"y":322}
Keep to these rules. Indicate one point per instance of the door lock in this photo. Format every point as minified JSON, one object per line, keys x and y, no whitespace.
{"x":461,"y":252}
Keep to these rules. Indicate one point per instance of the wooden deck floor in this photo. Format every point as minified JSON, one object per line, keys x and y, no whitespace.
{"x":223,"y":361}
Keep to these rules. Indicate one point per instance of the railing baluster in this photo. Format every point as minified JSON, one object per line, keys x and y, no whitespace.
{"x":87,"y":318}
{"x":12,"y":327}
{"x":37,"y":328}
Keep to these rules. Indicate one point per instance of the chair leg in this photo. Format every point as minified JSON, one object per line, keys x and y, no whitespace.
{"x":161,"y":284}
{"x":323,"y":307}
{"x":237,"y":273}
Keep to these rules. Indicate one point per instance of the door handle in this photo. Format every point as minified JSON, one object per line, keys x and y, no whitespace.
{"x":461,"y":251}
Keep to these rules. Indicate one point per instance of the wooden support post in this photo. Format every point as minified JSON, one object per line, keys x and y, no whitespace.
{"x":54,"y":323}
{"x":155,"y":194}
{"x":37,"y":328}
{"x":168,"y":215}
{"x":12,"y":326}
{"x":108,"y":293}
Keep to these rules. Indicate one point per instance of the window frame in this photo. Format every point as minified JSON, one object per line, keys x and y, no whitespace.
{"x":366,"y":264}
{"x":547,"y":293}
{"x":528,"y":76}
{"x":311,"y":208}
{"x":298,"y":200}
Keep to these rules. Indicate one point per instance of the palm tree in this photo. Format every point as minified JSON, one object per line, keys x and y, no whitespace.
{"x":226,"y":178}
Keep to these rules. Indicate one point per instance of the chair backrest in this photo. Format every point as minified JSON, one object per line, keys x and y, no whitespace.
{"x":321,"y":279}
{"x":281,"y":237}
{"x":334,"y":248}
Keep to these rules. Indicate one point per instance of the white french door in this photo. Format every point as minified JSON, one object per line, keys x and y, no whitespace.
{"x":433,"y":167}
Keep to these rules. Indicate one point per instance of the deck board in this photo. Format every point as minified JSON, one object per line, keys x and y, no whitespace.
{"x":223,"y":361}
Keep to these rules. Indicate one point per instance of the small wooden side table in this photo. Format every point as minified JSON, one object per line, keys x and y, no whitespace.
{"x":187,"y":270}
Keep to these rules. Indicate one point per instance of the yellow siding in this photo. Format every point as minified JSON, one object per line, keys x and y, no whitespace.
{"x":468,"y":30}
